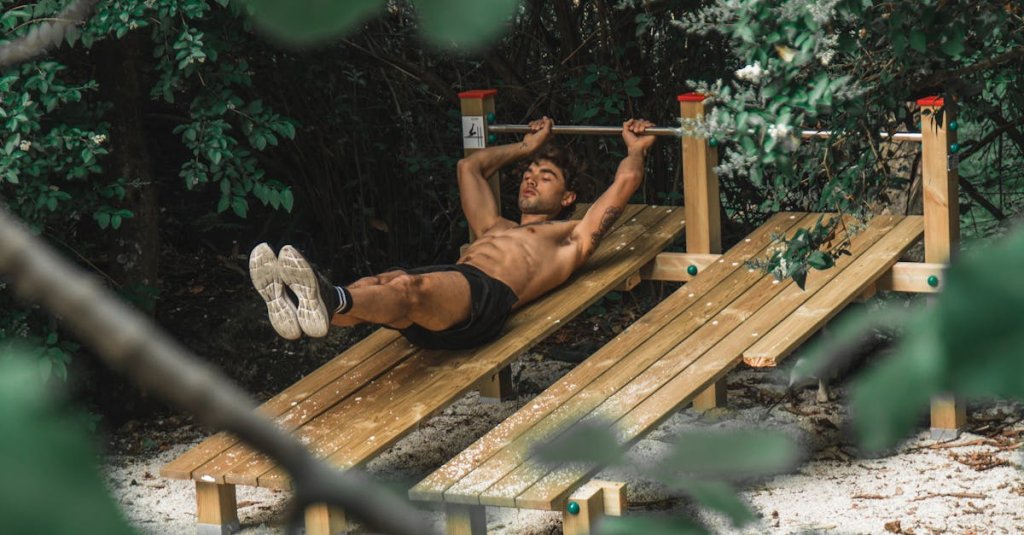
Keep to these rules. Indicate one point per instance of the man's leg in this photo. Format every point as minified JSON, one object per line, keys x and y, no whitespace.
{"x":348,"y":320}
{"x":435,"y":301}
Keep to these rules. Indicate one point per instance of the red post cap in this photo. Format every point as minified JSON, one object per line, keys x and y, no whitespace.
{"x":478,"y":93}
{"x":930,"y":101}
{"x":691,"y":97}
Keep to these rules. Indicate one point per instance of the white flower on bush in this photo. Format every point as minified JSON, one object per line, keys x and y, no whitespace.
{"x":25,"y":145}
{"x":751,"y":73}
{"x":99,"y":139}
{"x":780,"y":131}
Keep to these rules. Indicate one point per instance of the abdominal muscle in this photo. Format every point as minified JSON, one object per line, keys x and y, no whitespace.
{"x":530,"y":259}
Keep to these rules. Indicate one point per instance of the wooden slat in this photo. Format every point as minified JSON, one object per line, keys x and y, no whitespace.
{"x":305,"y":411}
{"x":691,"y":366}
{"x":184,"y":466}
{"x":428,"y":381}
{"x":825,"y":304}
{"x":590,"y":383}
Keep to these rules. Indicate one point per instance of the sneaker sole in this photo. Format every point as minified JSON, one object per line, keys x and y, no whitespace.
{"x":263,"y":270}
{"x":311,"y":311}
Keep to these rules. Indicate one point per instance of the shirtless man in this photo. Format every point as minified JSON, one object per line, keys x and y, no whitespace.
{"x":510,"y":264}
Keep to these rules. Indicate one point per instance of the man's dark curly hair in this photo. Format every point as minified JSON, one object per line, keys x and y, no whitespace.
{"x":572,"y":169}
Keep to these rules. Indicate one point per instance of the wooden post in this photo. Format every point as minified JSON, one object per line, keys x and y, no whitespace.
{"x":497,"y":387}
{"x":476,"y":105}
{"x":216,"y":509}
{"x":940,"y":181}
{"x":463,"y":519}
{"x":589,"y":503}
{"x":322,"y":519}
{"x":703,"y":212}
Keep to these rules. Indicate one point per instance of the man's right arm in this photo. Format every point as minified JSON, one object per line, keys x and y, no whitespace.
{"x":478,"y":202}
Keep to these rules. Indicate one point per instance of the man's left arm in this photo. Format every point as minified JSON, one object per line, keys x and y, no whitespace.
{"x":609,"y":206}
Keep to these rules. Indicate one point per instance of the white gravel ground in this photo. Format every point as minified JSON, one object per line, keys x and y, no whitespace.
{"x":970,"y":485}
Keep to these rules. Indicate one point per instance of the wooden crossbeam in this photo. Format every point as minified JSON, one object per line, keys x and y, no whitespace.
{"x":908,"y":277}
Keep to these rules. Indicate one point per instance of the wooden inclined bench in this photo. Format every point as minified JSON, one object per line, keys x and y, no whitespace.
{"x":656,"y":366}
{"x":367,"y":398}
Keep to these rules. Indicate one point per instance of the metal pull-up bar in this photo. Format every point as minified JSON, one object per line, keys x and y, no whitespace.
{"x":587,"y":130}
{"x":897,"y":136}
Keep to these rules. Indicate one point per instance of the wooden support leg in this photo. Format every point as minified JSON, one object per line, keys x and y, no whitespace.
{"x":589,"y":503}
{"x":949,"y":416}
{"x":216,"y":509}
{"x":631,"y":282}
{"x":465,"y":519}
{"x":497,"y":387}
{"x":713,"y":396}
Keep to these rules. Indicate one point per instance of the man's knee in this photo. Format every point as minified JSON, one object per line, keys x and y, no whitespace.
{"x":411,"y":287}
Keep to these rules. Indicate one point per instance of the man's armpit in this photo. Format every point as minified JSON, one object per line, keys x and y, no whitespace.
{"x":608,"y":219}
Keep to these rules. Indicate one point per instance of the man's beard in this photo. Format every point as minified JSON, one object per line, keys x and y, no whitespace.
{"x":533,"y":206}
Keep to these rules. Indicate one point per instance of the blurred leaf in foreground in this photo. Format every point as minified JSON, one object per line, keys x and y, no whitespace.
{"x":966,"y":343}
{"x":50,"y":484}
{"x":464,"y":23}
{"x":626,"y":525}
{"x":303,"y":22}
{"x":588,"y":442}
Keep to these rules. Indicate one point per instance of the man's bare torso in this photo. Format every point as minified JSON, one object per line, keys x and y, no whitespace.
{"x":531,"y":259}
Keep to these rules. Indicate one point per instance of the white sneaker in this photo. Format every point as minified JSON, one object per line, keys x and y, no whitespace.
{"x":263,"y":270}
{"x":298,"y":275}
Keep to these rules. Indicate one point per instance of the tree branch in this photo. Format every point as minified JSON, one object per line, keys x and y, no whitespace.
{"x":129,"y":342}
{"x":45,"y":35}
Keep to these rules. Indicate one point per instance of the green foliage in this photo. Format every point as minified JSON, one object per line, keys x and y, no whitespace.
{"x":699,"y":465}
{"x":808,"y":248}
{"x":464,"y":23}
{"x":47,"y":462}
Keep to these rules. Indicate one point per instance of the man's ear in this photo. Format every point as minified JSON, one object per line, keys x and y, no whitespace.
{"x":568,"y":198}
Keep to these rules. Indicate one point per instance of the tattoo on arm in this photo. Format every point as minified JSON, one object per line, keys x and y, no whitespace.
{"x":607,"y":220}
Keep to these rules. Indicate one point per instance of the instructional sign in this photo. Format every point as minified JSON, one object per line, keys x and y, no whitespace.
{"x":473,"y":132}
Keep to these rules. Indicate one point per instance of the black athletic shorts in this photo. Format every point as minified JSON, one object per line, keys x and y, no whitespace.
{"x":491,"y":306}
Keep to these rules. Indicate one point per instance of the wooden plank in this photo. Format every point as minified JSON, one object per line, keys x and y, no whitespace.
{"x":672,"y":320}
{"x":433,"y":487}
{"x":428,"y":381}
{"x":825,"y":304}
{"x":675,"y":266}
{"x":913,"y":277}
{"x":691,"y":368}
{"x":314,"y":405}
{"x":185,"y":465}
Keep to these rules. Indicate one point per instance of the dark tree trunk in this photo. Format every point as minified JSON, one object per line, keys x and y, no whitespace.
{"x":137,"y":250}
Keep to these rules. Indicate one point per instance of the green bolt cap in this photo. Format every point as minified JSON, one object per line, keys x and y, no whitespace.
{"x":712,"y":142}
{"x":573,"y":508}
{"x":933,"y":281}
{"x":692,"y":270}
{"x":954,"y":147}
{"x":953,"y":125}
{"x":491,"y":138}
{"x":490,"y":117}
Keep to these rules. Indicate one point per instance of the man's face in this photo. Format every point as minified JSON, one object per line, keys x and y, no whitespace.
{"x":542,"y":190}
